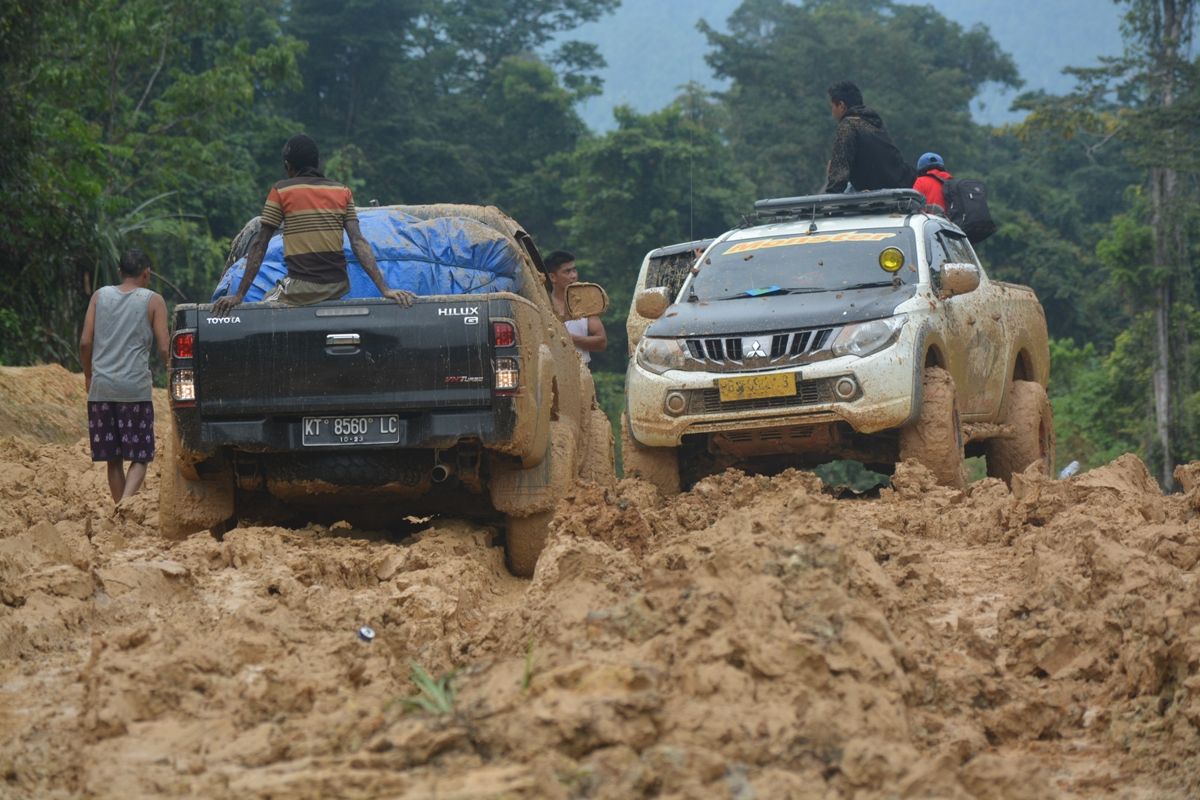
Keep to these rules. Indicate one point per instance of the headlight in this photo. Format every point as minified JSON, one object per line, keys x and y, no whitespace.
{"x":868,"y":337}
{"x":660,"y":355}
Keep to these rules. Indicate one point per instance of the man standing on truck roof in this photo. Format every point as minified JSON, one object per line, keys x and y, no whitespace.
{"x":587,"y":333}
{"x":114,"y":349}
{"x":313,"y":211}
{"x":864,"y":156}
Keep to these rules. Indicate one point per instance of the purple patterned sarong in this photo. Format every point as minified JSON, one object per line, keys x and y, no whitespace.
{"x":121,"y":430}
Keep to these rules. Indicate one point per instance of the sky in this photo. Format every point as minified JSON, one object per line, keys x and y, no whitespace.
{"x":652,"y":47}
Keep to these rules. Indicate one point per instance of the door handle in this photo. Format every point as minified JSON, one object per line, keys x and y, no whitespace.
{"x":342,"y":340}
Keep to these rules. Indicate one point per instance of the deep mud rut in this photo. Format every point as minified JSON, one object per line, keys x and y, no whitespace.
{"x":754,"y":638}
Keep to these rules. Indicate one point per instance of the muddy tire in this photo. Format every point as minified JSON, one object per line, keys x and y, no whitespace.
{"x":188,"y":506}
{"x":524,"y":542}
{"x":596,"y":463}
{"x":656,"y":465}
{"x":935,"y":438}
{"x":1032,"y":422}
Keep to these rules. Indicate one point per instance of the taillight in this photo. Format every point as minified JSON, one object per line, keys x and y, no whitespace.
{"x":508,"y":375}
{"x":183,"y":386}
{"x":183,"y":343}
{"x":504,"y":334}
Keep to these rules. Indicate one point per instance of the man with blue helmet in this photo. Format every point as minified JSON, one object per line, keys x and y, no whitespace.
{"x":931,"y":177}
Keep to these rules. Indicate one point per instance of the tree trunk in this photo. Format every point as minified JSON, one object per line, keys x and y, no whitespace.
{"x":1169,"y":43}
{"x":1162,"y":383}
{"x":1164,"y":188}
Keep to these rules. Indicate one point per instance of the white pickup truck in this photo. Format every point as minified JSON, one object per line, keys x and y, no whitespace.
{"x":832,"y":327}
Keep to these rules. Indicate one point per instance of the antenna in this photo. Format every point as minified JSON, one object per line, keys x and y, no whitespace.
{"x":691,"y":147}
{"x":691,"y":204}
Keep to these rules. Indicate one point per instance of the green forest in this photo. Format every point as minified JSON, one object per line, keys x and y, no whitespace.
{"x":159,"y":124}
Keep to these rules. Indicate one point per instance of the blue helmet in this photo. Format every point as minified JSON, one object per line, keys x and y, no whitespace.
{"x":930,"y":160}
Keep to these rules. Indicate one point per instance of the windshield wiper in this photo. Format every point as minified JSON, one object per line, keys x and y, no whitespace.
{"x":867,"y":285}
{"x":775,"y":290}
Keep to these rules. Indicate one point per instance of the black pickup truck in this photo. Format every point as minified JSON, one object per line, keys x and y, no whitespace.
{"x":364,"y":410}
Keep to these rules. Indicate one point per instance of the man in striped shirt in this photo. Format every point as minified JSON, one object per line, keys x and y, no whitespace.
{"x":313,"y":211}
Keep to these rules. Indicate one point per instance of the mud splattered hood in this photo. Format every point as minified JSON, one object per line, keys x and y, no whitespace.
{"x":779,"y":312}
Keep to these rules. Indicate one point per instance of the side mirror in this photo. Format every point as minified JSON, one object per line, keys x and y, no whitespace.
{"x":652,"y":303}
{"x":959,"y":279}
{"x":586,"y":300}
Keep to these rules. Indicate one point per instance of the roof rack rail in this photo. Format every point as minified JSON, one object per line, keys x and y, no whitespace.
{"x":683,"y":247}
{"x":881,"y":201}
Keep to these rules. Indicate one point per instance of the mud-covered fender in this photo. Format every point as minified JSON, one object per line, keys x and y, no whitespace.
{"x":539,"y":411}
{"x":533,"y":401}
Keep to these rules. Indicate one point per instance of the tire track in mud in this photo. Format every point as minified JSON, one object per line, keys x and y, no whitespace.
{"x":753,"y":637}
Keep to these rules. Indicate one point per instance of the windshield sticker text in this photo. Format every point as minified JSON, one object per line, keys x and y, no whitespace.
{"x":850,"y":236}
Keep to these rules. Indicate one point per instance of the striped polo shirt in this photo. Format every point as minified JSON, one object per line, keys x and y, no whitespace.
{"x":313,"y":211}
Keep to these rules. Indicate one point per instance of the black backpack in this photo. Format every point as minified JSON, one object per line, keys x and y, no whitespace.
{"x":966,"y":207}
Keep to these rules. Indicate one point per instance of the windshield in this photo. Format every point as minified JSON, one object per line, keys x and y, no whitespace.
{"x":803,"y":263}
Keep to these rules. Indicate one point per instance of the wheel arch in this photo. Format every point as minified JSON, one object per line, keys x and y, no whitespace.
{"x":1023,"y":369}
{"x":933,"y":354}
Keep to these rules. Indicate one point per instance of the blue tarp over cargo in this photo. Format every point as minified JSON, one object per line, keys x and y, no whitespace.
{"x":445,"y":255}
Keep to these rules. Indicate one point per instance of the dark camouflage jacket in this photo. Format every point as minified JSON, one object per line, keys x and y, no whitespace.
{"x":865,"y":156}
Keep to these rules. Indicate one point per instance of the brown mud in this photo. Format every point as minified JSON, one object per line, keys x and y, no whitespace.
{"x":752,"y":638}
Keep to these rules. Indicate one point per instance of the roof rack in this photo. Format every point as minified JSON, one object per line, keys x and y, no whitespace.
{"x":684,"y":247}
{"x":881,"y":201}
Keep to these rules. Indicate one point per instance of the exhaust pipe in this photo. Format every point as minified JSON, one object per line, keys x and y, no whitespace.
{"x":440,"y":473}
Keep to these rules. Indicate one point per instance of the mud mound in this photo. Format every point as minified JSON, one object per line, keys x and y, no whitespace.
{"x":752,"y":638}
{"x":42,"y":403}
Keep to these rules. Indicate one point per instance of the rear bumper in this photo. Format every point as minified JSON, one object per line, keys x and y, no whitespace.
{"x":204,"y":437}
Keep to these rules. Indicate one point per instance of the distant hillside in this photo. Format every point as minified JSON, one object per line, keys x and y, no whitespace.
{"x":652,"y":46}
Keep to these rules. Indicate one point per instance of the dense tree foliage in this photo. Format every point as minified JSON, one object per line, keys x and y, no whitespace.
{"x":918,"y":69}
{"x":132,"y":121}
{"x":160,"y":124}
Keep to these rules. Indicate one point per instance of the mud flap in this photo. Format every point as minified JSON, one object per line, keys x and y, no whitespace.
{"x":596,"y":462}
{"x":524,"y":492}
{"x":187,"y":506}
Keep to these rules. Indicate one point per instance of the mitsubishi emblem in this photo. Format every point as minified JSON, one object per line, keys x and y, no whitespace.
{"x":754,"y":349}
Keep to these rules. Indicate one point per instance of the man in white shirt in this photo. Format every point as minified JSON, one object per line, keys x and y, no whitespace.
{"x":587,"y":333}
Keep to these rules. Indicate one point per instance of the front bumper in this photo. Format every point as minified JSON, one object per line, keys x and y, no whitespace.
{"x":888,"y":382}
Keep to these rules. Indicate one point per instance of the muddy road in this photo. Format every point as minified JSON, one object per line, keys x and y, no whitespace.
{"x":754,"y":638}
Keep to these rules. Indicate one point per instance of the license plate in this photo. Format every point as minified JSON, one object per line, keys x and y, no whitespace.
{"x":369,"y":429}
{"x":755,"y":387}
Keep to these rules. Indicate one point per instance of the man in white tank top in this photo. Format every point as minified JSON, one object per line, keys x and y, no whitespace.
{"x":587,"y":333}
{"x":114,"y":349}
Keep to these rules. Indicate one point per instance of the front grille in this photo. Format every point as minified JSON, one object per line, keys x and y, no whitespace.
{"x":808,"y":393}
{"x":718,"y":350}
{"x":764,"y":351}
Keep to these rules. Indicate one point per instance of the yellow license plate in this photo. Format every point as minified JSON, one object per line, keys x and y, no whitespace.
{"x":757,"y":386}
